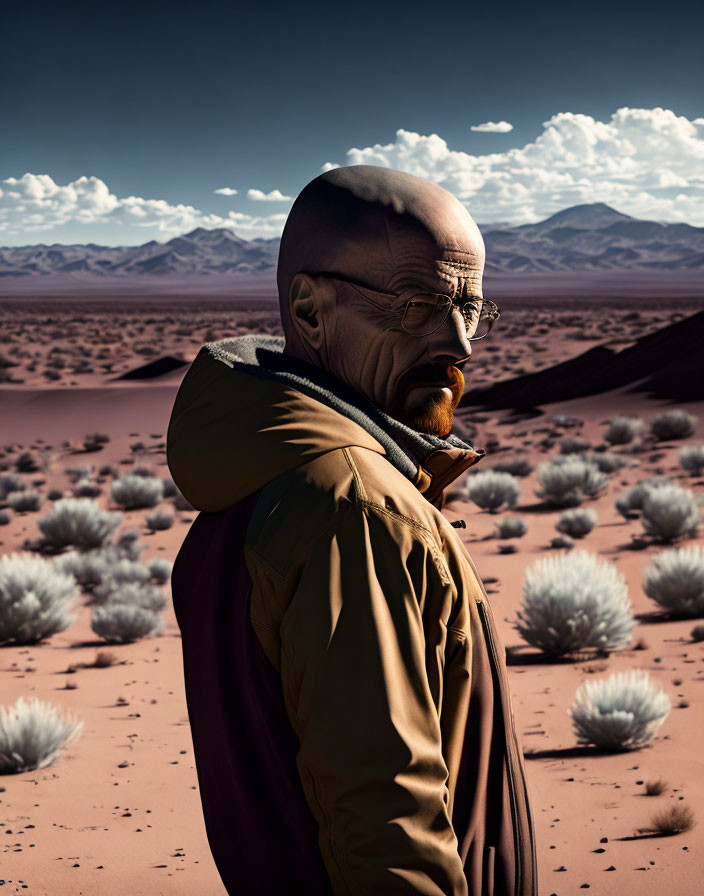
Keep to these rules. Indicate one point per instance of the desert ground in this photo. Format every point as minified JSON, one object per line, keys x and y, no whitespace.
{"x":119,"y":811}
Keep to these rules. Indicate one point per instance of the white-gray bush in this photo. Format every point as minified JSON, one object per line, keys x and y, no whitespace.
{"x":622,"y":711}
{"x":182,"y":503}
{"x":672,"y":425}
{"x":169,"y":487}
{"x":128,"y":546}
{"x":137,"y":594}
{"x":511,"y":527}
{"x":605,"y":461}
{"x":691,"y":458}
{"x":675,"y":580}
{"x":86,"y":488}
{"x":35,"y":598}
{"x":572,"y":601}
{"x":160,"y":570}
{"x":159,"y":520}
{"x":88,"y":568}
{"x":490,"y":490}
{"x":75,"y":474}
{"x":576,"y":523}
{"x":78,"y":522}
{"x":630,"y":503}
{"x":117,"y":622}
{"x":562,"y":541}
{"x":622,"y":430}
{"x":133,"y":492}
{"x":4,"y":518}
{"x":566,"y":482}
{"x":24,"y":501}
{"x":10,"y":482}
{"x":670,"y":512}
{"x":117,"y":573}
{"x":33,"y":734}
{"x":574,"y":445}
{"x":516,"y":466}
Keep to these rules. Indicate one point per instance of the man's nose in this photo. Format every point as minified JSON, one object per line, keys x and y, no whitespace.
{"x":450,"y":340}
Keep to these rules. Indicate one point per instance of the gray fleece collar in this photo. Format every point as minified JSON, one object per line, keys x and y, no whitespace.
{"x":262,"y":356}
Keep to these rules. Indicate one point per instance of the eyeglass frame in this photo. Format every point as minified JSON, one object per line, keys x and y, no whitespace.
{"x":493,"y":309}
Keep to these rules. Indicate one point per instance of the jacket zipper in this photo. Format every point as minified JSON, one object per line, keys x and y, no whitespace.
{"x":520,"y":869}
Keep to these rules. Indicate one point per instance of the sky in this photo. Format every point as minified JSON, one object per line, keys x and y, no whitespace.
{"x":127,"y":122}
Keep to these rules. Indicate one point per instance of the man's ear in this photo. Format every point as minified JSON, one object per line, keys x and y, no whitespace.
{"x":306,"y":310}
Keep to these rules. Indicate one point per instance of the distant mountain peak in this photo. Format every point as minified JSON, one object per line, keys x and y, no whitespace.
{"x":589,"y":216}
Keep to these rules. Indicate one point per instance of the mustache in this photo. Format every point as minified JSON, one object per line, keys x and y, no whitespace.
{"x":450,"y":376}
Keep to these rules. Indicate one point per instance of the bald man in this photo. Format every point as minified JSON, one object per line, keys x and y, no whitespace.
{"x":346,"y":685}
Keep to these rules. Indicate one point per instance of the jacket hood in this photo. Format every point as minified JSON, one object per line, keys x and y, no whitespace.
{"x":246,"y":413}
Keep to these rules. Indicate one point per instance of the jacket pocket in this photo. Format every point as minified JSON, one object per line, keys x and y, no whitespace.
{"x":488,"y":871}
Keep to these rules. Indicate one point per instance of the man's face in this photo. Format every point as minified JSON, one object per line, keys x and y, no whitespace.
{"x":417,"y":380}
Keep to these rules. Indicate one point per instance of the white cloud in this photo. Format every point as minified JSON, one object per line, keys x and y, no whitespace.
{"x":35,"y":202}
{"x":493,"y":127}
{"x":698,"y":121}
{"x":273,"y":196}
{"x":225,"y":191}
{"x":644,"y":162}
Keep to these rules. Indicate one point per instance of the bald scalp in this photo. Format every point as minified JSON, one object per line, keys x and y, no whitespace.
{"x":372,"y":224}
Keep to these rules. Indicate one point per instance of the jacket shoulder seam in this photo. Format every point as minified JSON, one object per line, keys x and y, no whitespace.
{"x":423,"y":532}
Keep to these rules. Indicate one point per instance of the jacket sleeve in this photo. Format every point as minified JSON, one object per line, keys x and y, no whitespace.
{"x":353,"y":666}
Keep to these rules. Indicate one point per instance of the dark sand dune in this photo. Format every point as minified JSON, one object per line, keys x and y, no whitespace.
{"x":667,"y":364}
{"x":154,"y":369}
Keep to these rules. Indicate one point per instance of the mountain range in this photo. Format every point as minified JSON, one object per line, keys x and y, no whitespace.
{"x":591,"y":237}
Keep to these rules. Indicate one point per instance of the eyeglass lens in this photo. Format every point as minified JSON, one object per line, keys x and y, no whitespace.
{"x":426,"y":313}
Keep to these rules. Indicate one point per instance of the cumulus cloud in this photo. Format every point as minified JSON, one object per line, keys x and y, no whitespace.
{"x":225,"y":191}
{"x":645,"y":162}
{"x":698,"y":121}
{"x":35,"y":202}
{"x":493,"y":127}
{"x":273,"y":196}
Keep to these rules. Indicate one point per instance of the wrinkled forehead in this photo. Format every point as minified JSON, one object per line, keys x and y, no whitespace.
{"x":388,"y":229}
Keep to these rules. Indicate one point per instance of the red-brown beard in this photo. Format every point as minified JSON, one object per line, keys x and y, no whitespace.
{"x":434,"y":415}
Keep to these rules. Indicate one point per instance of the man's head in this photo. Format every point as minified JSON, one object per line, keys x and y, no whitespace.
{"x":359,"y":242}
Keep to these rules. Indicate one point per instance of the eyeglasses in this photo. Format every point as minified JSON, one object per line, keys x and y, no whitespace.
{"x":425,"y":312}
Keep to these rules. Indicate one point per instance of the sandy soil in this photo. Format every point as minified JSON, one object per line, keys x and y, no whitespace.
{"x":119,"y":812}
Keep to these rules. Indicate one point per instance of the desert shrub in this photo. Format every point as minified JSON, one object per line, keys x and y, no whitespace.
{"x":133,"y":492}
{"x":160,"y":570}
{"x":85,"y":488}
{"x":32,"y":735}
{"x":567,"y":482}
{"x":160,"y":519}
{"x":516,"y":466}
{"x":35,"y":598}
{"x":26,"y":462}
{"x":10,"y":482}
{"x":562,"y":541}
{"x":511,"y":527}
{"x":697,"y":633}
{"x":118,"y":572}
{"x":490,"y":490}
{"x":622,"y":430}
{"x":574,"y":445}
{"x":22,"y":502}
{"x":135,"y":593}
{"x":107,"y":470}
{"x":145,"y":471}
{"x":78,"y":522}
{"x":576,"y":523}
{"x":94,"y":441}
{"x":75,"y":474}
{"x":691,"y":458}
{"x":182,"y":503}
{"x":670,"y":512}
{"x":170,"y":489}
{"x":622,"y":711}
{"x":55,"y":494}
{"x":674,"y":819}
{"x":573,"y":601}
{"x":672,"y":425}
{"x":118,"y":622}
{"x":606,"y":461}
{"x":4,"y":518}
{"x":128,"y":544}
{"x":675,"y":580}
{"x":88,"y":568}
{"x":630,"y":503}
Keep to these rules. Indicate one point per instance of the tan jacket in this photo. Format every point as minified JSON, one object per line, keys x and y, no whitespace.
{"x":367,"y":604}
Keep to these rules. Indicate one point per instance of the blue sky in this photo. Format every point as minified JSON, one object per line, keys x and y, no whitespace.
{"x":121,"y":121}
